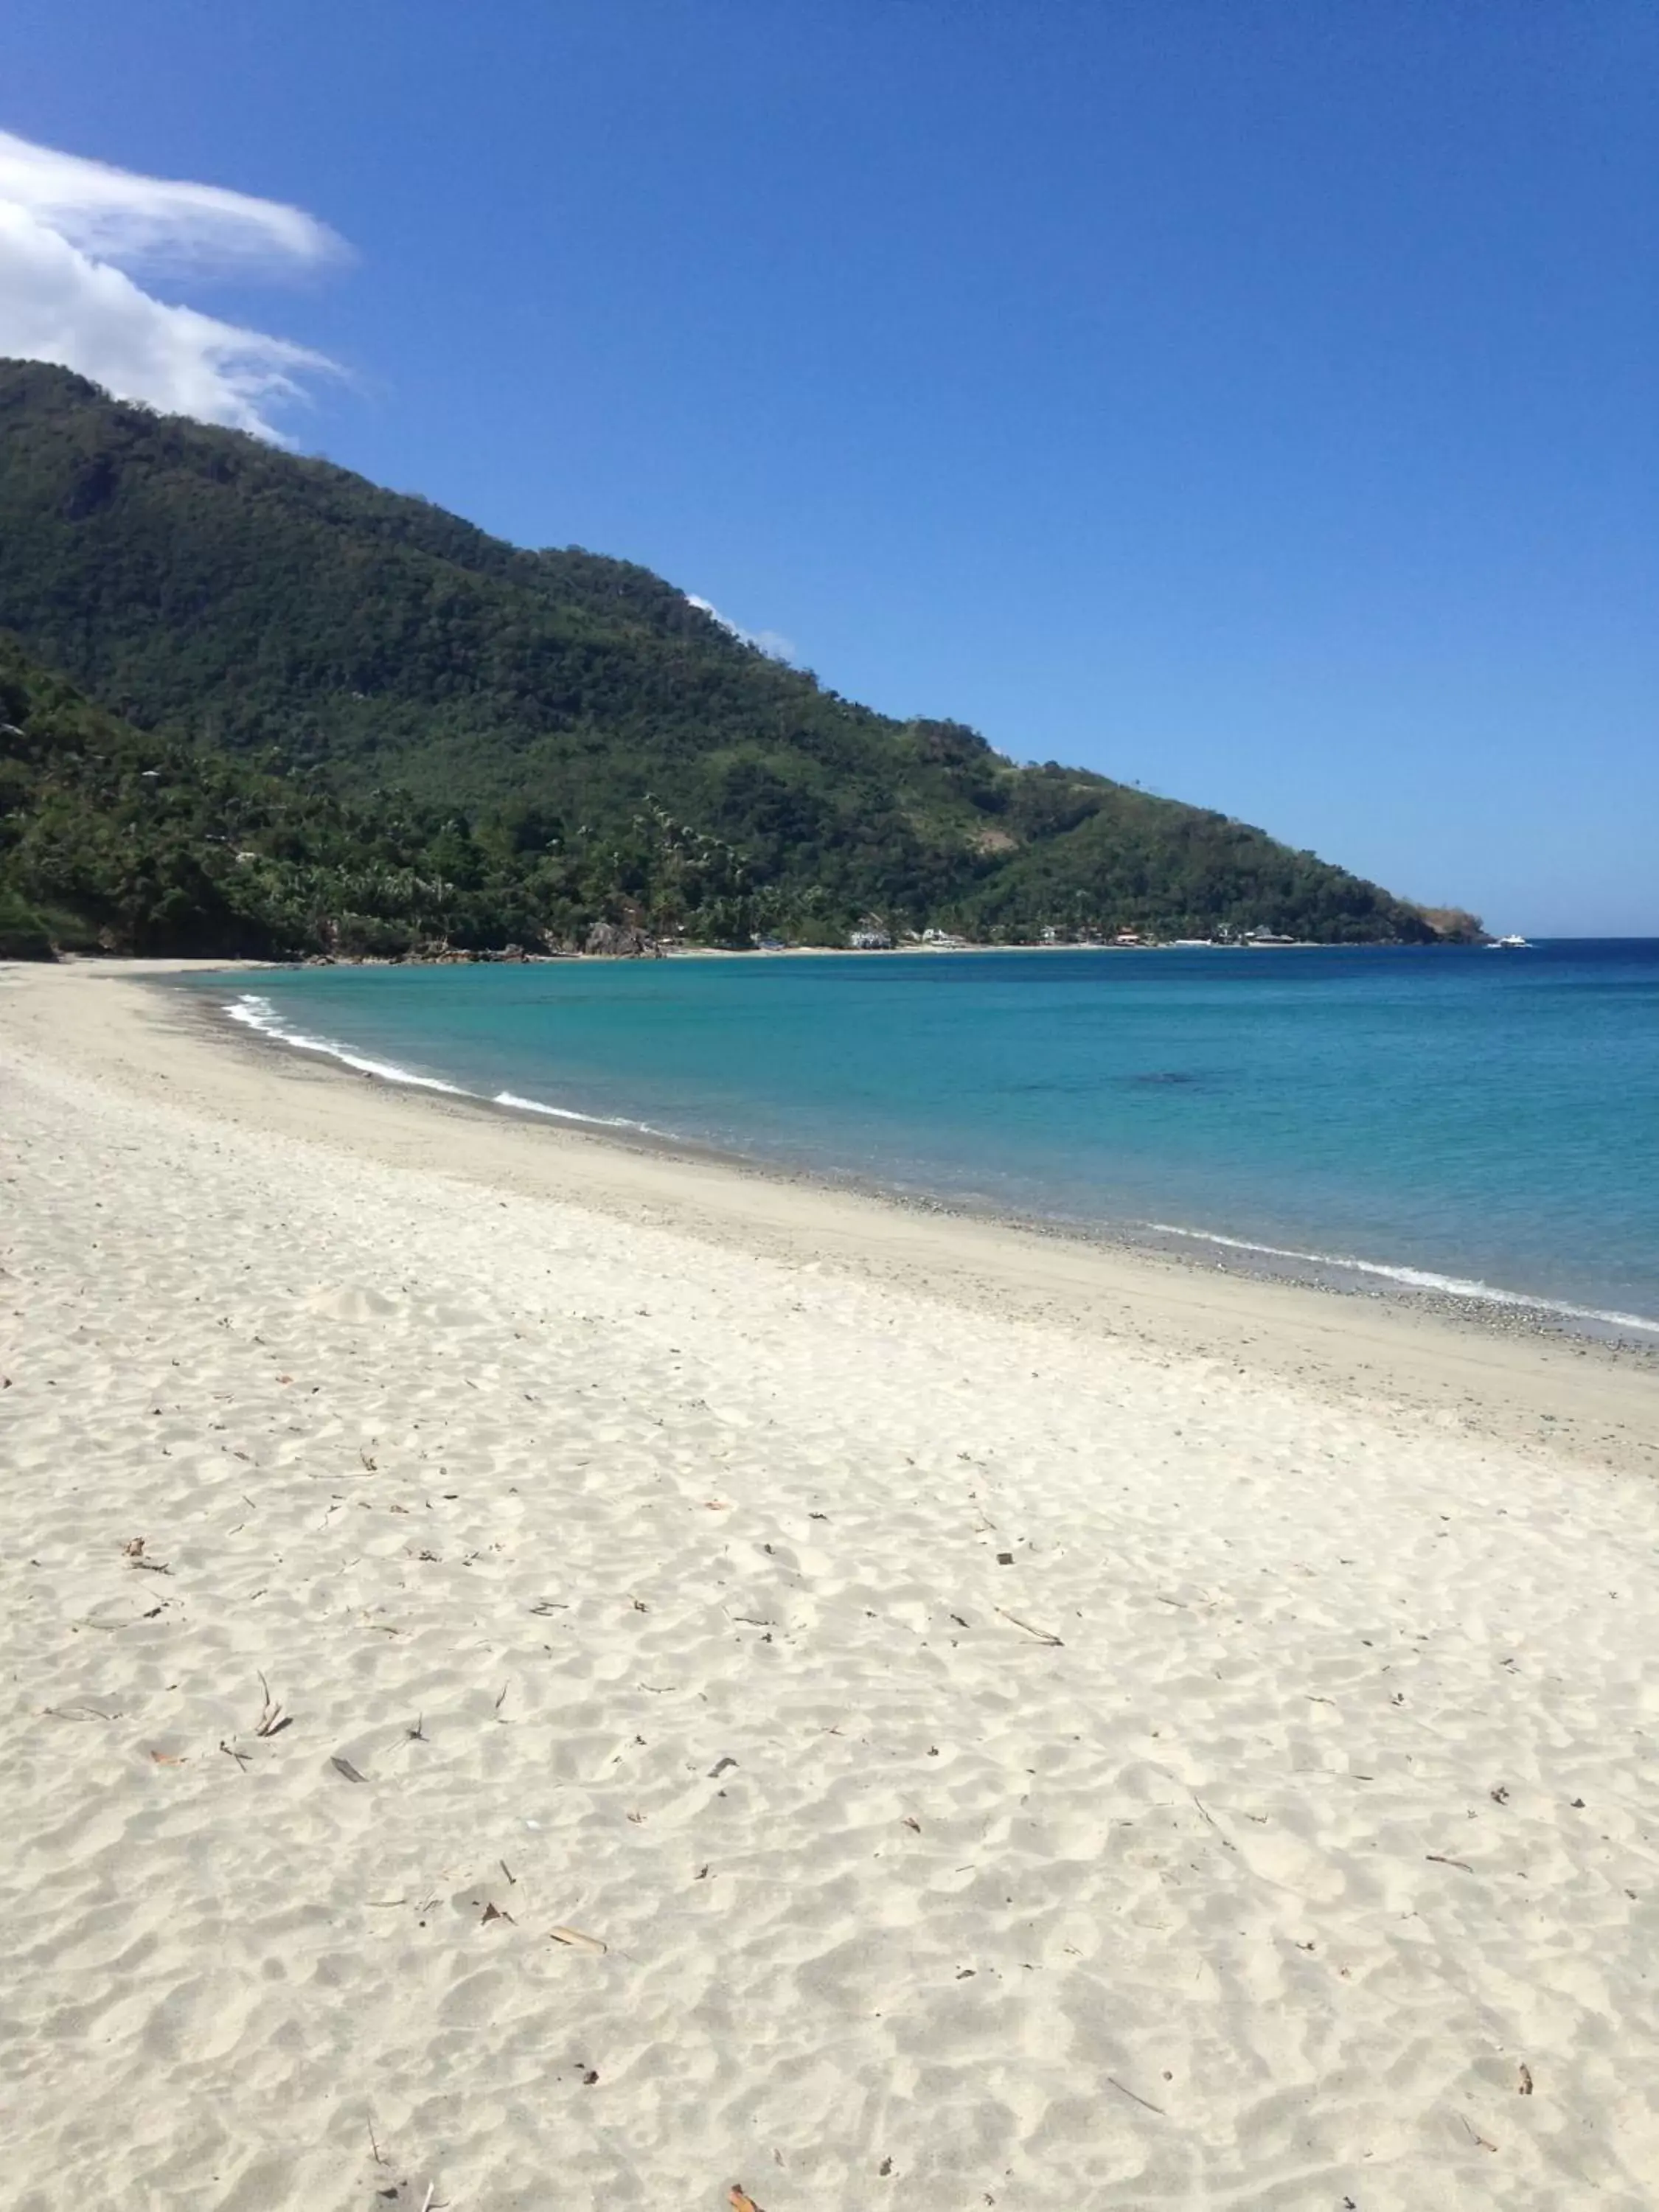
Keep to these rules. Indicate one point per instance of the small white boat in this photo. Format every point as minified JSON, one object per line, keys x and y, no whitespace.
{"x":1508,"y":945}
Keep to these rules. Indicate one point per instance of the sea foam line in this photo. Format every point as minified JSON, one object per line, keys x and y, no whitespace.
{"x":1417,"y":1279}
{"x":259,"y":1014}
{"x":568,"y":1114}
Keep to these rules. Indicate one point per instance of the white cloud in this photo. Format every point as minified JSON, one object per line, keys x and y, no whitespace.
{"x":70,"y":229}
{"x":771,"y":642}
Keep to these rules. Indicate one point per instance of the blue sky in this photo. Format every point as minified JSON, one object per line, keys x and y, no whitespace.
{"x":1254,"y":400}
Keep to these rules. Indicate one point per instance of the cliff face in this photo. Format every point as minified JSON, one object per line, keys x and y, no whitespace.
{"x":1455,"y":924}
{"x":579,"y":712}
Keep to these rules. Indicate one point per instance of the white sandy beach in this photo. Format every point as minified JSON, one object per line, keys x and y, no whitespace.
{"x":995,"y":1724}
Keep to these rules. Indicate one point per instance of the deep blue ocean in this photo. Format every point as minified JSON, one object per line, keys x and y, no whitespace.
{"x":1452,"y":1118}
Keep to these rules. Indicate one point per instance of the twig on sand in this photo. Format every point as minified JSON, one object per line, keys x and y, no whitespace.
{"x":1135,"y":2099}
{"x":110,"y":1627}
{"x":344,"y":1766}
{"x":1205,"y":1810}
{"x":242,"y":1758}
{"x":380,"y":2155}
{"x":1439,"y":1858}
{"x":273,"y":1720}
{"x":1042,"y":1635}
{"x":576,"y":1941}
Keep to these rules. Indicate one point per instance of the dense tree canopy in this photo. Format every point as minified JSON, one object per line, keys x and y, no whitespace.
{"x":118,"y":840}
{"x":459,"y":737}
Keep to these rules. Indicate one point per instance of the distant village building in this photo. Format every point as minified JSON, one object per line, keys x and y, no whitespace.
{"x":870,"y":936}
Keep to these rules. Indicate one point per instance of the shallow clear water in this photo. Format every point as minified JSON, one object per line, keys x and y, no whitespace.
{"x":1489,"y":1118}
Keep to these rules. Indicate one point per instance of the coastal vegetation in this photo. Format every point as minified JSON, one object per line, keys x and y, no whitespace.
{"x":316,"y":715}
{"x":119,"y":840}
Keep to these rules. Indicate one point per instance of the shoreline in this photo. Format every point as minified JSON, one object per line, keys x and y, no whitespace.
{"x":1513,"y":1372}
{"x":1467,"y":1304}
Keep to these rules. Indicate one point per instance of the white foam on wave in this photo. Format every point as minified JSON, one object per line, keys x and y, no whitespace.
{"x":259,"y":1014}
{"x":1416,"y":1279}
{"x":568,"y":1114}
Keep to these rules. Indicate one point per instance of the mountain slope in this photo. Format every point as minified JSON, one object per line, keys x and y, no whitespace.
{"x":112,"y":839}
{"x":213,"y":589}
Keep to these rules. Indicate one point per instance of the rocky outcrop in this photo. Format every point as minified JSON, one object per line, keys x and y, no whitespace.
{"x":616,"y":940}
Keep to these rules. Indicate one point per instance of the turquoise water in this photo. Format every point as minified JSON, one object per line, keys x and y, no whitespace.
{"x":1480,"y":1118}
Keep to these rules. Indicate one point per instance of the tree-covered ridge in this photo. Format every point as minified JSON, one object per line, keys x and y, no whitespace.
{"x":114,"y":839}
{"x":576,"y":720}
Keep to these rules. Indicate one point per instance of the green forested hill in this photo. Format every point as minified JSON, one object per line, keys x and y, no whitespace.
{"x":114,"y":839}
{"x":569,"y":723}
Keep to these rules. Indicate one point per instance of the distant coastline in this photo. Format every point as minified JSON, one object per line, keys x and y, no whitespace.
{"x":562,"y":752}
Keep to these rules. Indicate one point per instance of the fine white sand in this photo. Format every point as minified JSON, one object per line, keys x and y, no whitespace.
{"x":1028,"y":1728}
